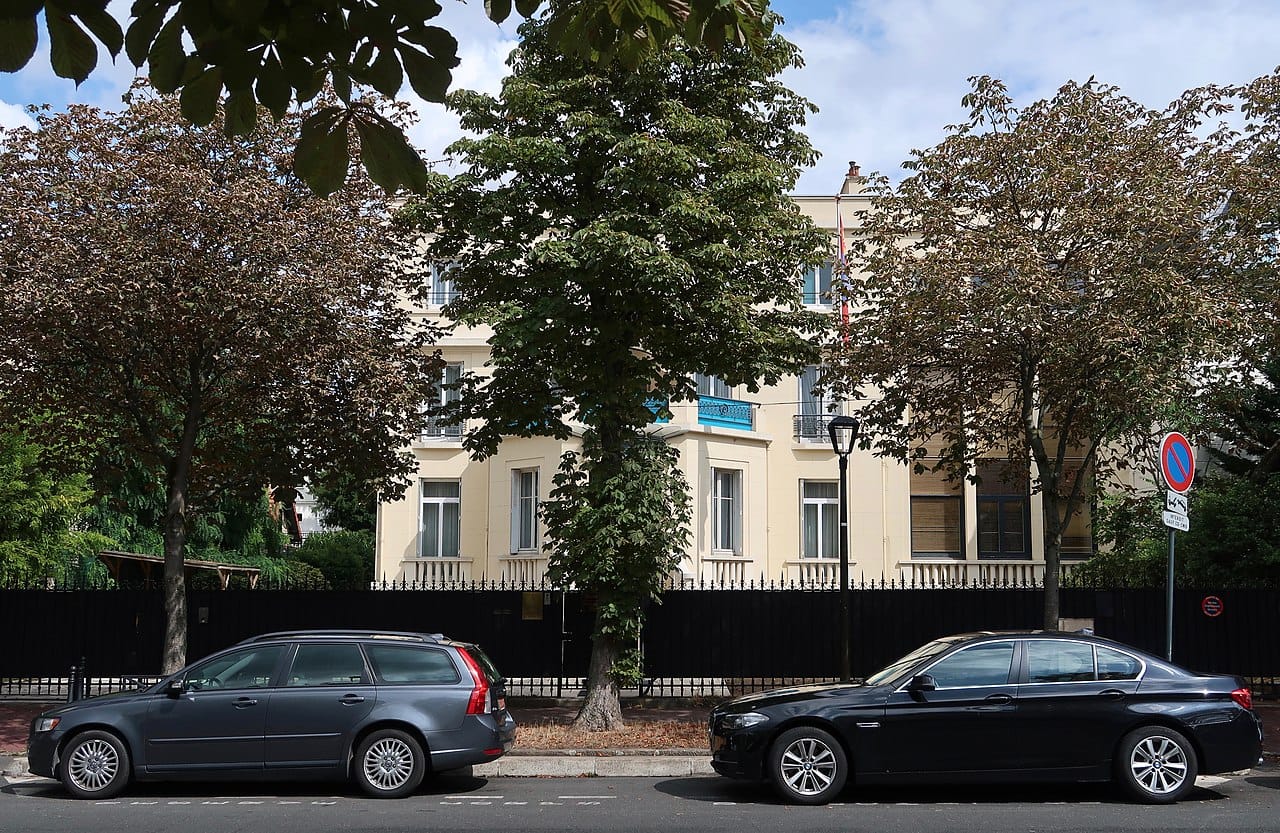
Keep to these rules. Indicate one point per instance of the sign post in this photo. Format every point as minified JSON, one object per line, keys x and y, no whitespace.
{"x":1178,"y":467}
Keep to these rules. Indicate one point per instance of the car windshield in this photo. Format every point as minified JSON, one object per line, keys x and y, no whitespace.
{"x":929,"y":649}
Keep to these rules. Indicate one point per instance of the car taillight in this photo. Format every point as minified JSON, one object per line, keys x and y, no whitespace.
{"x":1244,"y":697}
{"x":479,"y":702}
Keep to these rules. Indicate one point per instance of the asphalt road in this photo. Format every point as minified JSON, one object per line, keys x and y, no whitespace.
{"x":1243,"y":803}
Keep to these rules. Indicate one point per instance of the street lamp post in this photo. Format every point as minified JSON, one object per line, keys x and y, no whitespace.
{"x":844,"y":431}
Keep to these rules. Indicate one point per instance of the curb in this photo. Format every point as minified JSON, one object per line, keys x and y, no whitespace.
{"x":582,"y":765}
{"x":14,"y":767}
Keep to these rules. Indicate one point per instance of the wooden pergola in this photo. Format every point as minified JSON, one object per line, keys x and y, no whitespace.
{"x":131,"y":564}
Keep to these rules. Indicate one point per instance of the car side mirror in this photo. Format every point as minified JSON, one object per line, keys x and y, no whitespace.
{"x":922,"y":682}
{"x":175,"y":688}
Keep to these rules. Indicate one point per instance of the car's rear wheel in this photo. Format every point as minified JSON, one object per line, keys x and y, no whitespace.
{"x":390,"y":764}
{"x":807,"y":765}
{"x":1156,"y":765}
{"x":94,"y":764}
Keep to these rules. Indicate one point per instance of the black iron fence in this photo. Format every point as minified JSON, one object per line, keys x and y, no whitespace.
{"x":696,"y":641}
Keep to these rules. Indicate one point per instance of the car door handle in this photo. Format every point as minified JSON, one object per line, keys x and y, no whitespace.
{"x":999,"y":699}
{"x":350,"y":699}
{"x":244,"y":702}
{"x":1111,"y":694}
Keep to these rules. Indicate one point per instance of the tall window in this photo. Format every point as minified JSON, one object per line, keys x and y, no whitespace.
{"x":524,"y":510}
{"x":936,"y":505}
{"x":817,"y":285}
{"x":819,"y":519}
{"x":1077,"y":535}
{"x":811,"y":423}
{"x":446,"y":392}
{"x":439,"y":526}
{"x":712,"y":386}
{"x":726,"y":501}
{"x":443,"y":289}
{"x":1004,"y":510}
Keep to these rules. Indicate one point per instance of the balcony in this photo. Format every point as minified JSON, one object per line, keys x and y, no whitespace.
{"x":524,"y":569}
{"x":993,"y":573}
{"x":812,"y":427}
{"x":724,"y":413}
{"x":434,"y":571}
{"x":436,"y":430}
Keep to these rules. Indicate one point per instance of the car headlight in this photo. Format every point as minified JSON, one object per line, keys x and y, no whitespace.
{"x":743,"y":720}
{"x":47,"y":724}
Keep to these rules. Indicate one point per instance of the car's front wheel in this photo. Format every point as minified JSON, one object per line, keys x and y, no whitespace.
{"x":94,"y":764}
{"x":1156,"y":765}
{"x":807,"y":765}
{"x":390,"y":764}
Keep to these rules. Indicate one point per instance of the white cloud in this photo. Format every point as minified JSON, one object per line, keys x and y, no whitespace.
{"x":14,"y":116}
{"x":887,"y":75}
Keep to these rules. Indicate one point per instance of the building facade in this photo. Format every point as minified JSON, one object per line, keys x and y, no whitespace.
{"x":763,"y":479}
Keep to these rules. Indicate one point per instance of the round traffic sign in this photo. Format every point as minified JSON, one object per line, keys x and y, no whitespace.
{"x":1212,"y":606}
{"x":1177,"y":461}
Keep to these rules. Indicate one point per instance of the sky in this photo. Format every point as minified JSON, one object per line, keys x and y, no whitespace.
{"x":886,"y":75}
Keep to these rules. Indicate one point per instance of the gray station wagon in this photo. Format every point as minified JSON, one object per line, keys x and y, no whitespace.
{"x":385,"y":708}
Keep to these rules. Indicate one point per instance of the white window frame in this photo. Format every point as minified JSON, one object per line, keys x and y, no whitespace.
{"x":826,"y":506}
{"x":711,"y":385}
{"x":813,"y":276}
{"x":524,"y":510}
{"x":443,"y":289}
{"x":439,"y":503}
{"x":726,"y":511}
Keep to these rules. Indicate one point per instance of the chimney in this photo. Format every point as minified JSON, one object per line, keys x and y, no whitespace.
{"x":854,"y":181}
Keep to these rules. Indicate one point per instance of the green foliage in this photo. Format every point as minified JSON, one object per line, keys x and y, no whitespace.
{"x":278,"y":51}
{"x":345,"y":501}
{"x":38,"y":513}
{"x":618,"y":524}
{"x":344,"y":558}
{"x":1234,"y":539}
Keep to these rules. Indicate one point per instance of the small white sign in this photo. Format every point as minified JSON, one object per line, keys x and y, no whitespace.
{"x":1173,"y":520}
{"x":1175,"y":502}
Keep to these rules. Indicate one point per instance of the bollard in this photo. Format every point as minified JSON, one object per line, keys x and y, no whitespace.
{"x":73,"y":687}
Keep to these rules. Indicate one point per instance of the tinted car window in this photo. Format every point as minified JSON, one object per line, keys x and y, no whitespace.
{"x":1056,"y":661}
{"x":320,"y":665}
{"x":986,"y":664}
{"x":422,"y":666}
{"x":250,"y":668}
{"x":1113,"y":665}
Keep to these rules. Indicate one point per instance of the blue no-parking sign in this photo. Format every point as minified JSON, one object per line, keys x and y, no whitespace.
{"x":1177,"y":462}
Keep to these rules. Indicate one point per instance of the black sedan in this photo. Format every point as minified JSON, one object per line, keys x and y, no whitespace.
{"x":996,"y":707}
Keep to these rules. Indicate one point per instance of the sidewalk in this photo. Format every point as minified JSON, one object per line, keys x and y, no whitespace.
{"x":15,"y":718}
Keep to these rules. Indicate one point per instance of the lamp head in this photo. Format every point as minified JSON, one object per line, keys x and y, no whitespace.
{"x":844,"y":432}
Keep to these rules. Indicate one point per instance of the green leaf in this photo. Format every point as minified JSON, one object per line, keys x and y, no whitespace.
{"x":241,"y":113}
{"x":273,"y":87}
{"x":388,"y":157}
{"x":142,"y":32}
{"x":71,"y":51}
{"x":321,"y":157}
{"x":427,"y":75}
{"x":526,"y":8}
{"x":18,"y":39}
{"x":200,"y":97}
{"x":385,"y":75}
{"x":342,"y":85}
{"x":439,"y":42}
{"x":497,"y":10}
{"x":167,"y":60}
{"x":22,"y":8}
{"x":106,"y":28}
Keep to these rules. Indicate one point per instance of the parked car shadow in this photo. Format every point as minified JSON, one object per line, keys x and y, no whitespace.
{"x":233,"y":791}
{"x":742,"y":792}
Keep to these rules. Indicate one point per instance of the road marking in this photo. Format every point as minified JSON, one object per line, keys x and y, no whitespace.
{"x":724,"y":804}
{"x":550,"y":803}
{"x":586,"y":796}
{"x":516,"y":803}
{"x":144,"y":803}
{"x":178,"y":802}
{"x":325,"y":803}
{"x":288,"y":802}
{"x":473,"y":795}
{"x":480,"y":803}
{"x":249,"y":802}
{"x":1211,"y":780}
{"x":588,"y":803}
{"x":106,"y":804}
{"x":451,"y":803}
{"x":215,"y":802}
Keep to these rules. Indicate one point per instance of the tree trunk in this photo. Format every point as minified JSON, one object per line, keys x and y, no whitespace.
{"x":1052,"y":562}
{"x":601,"y":710}
{"x":175,"y":584}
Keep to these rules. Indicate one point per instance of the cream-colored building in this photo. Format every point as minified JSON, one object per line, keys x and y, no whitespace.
{"x":763,"y":479}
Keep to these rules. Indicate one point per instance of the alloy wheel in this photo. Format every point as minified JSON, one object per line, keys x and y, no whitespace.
{"x":388,"y":764}
{"x":93,"y":765}
{"x":808,"y":766}
{"x":1159,"y":764}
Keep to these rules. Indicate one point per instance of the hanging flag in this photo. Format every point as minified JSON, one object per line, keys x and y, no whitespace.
{"x":843,"y":271}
